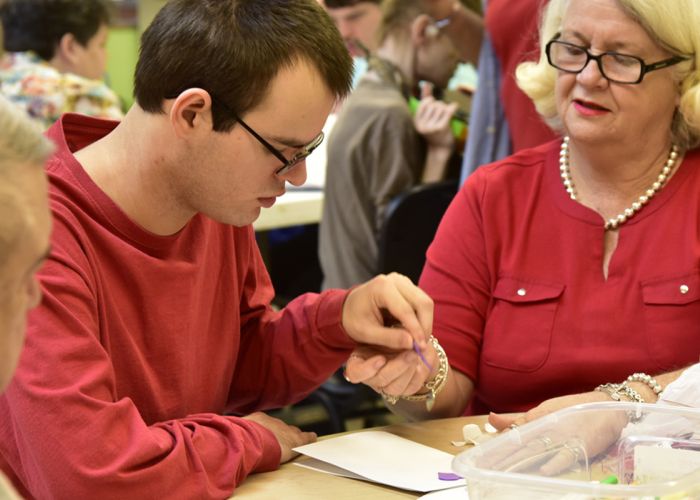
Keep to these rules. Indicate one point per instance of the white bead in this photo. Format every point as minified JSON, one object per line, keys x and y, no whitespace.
{"x":636,"y":206}
{"x":656,"y":186}
{"x":650,"y":193}
{"x":643,"y":199}
{"x":629,"y":212}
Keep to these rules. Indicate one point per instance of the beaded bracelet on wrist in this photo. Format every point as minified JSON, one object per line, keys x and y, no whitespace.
{"x":646,"y":379}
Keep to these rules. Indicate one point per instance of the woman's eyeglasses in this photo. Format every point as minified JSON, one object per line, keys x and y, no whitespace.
{"x":616,"y":67}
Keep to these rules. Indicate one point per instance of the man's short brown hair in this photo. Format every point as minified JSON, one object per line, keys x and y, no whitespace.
{"x":339,"y":4}
{"x":233,"y":49}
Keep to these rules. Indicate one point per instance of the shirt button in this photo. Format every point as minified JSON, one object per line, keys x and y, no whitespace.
{"x":684,"y":289}
{"x":522,"y":292}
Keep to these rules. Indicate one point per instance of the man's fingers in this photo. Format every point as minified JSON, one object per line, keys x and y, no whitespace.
{"x":426,"y":90}
{"x":390,"y":312}
{"x":412,"y":308}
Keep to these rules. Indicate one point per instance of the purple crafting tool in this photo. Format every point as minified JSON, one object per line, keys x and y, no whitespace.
{"x":420,"y":354}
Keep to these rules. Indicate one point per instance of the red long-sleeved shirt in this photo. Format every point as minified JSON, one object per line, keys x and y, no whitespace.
{"x":143,"y":342}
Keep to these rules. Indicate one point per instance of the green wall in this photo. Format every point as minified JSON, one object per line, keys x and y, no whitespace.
{"x":122,"y":47}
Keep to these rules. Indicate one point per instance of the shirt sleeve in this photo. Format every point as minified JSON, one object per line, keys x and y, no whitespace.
{"x":285,"y":354}
{"x":685,"y":390}
{"x":75,"y":437}
{"x":456,"y":277}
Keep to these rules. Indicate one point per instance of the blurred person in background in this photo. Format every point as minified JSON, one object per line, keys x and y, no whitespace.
{"x":377,"y":149}
{"x":357,"y":21}
{"x":55,"y":58}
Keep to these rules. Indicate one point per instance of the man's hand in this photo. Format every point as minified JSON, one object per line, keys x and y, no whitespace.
{"x":389,"y":311}
{"x":287,"y":436}
{"x":432,"y":120}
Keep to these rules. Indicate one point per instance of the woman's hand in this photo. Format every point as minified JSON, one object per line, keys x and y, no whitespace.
{"x":397,"y":373}
{"x":571,"y":441}
{"x":502,"y":422}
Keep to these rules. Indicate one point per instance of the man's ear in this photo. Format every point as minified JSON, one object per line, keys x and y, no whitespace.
{"x":191,"y":112}
{"x":422,"y":29}
{"x":67,"y":50}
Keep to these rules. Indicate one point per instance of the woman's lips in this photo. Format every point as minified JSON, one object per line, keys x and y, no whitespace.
{"x":588,"y":108}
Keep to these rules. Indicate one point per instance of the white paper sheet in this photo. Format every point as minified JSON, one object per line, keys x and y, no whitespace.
{"x":384,"y":458}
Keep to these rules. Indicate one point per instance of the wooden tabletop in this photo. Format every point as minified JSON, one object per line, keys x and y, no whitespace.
{"x":298,"y":483}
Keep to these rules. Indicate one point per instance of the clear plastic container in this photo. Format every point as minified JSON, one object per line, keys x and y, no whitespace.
{"x":598,"y":450}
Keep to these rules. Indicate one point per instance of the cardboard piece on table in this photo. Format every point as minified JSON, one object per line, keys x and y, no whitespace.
{"x":384,"y":458}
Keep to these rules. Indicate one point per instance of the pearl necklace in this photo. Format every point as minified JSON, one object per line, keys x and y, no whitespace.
{"x":628,"y":213}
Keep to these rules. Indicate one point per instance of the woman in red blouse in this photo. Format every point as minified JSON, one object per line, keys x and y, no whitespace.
{"x":569,"y":273}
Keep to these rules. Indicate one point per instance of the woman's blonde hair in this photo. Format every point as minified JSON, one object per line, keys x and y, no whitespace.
{"x":22,"y":146}
{"x":21,"y":139}
{"x":674,"y":25}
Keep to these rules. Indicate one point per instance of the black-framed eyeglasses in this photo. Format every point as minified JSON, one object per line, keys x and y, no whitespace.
{"x":286,"y":164}
{"x":615,"y":67}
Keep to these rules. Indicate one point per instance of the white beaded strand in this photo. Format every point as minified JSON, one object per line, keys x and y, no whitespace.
{"x":628,"y":213}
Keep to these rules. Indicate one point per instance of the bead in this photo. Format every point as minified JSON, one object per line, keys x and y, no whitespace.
{"x":684,"y":289}
{"x":643,"y":199}
{"x":650,"y":193}
{"x":521,"y":292}
{"x":629,"y":212}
